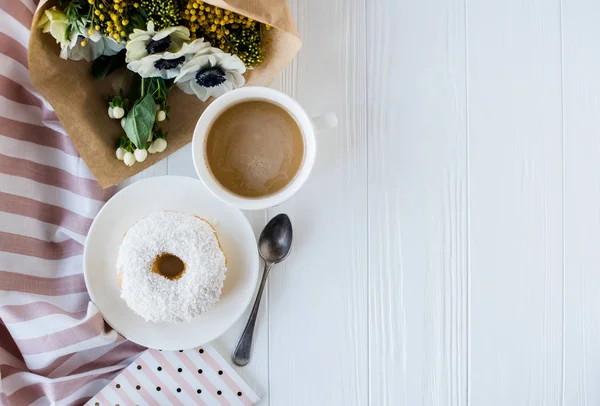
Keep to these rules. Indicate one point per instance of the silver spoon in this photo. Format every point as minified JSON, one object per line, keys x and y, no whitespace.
{"x":274,"y":245}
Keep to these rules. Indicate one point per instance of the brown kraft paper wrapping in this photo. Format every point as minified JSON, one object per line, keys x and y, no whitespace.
{"x":80,"y":101}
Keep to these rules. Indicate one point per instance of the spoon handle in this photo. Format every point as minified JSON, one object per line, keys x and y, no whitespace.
{"x":241,"y":354}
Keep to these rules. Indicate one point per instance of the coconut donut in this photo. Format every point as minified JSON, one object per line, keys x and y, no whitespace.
{"x":171,"y":267}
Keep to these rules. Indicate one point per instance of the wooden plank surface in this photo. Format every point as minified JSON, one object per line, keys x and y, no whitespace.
{"x":581,"y":82}
{"x":417,"y":203}
{"x":515,"y":202}
{"x":447,"y":242}
{"x":318,"y":297}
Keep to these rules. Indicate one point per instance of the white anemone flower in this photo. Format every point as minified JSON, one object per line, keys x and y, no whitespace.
{"x":142,"y":43}
{"x":167,"y":64}
{"x":211,"y":73}
{"x":56,"y":23}
{"x":95,"y":46}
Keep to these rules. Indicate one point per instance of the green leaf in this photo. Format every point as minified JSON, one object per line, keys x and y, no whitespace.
{"x":125,"y":143}
{"x":139,"y":121}
{"x":169,"y":83}
{"x":105,"y":65}
{"x":159,"y":88}
{"x":152,"y":85}
{"x":116,"y":101}
{"x":159,"y":133}
{"x":137,"y":18}
{"x":135,"y":87}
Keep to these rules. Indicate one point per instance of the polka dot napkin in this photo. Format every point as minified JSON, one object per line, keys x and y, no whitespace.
{"x":192,"y":377}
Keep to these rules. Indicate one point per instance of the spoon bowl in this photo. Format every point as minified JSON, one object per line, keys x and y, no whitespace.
{"x":275,"y":242}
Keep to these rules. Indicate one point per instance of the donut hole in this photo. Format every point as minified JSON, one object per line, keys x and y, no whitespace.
{"x":169,"y":266}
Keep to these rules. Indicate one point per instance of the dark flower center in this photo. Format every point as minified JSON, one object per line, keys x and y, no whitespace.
{"x":210,"y":77}
{"x":161,"y":45}
{"x":166,"y":64}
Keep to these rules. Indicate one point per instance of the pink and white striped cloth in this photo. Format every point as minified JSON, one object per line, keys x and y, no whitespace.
{"x":54,"y":345}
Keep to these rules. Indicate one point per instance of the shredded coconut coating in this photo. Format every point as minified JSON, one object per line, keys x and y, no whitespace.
{"x":153,"y":296}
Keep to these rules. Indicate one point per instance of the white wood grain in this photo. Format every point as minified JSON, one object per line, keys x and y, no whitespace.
{"x":318,"y":297}
{"x":581,"y":83}
{"x":417,"y":203}
{"x":158,"y":169}
{"x":515,"y":202}
{"x":447,"y":244}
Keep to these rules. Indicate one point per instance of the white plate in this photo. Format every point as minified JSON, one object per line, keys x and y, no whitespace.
{"x":180,"y":194}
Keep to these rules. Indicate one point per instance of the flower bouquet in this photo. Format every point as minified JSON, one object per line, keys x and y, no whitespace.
{"x":128,"y":79}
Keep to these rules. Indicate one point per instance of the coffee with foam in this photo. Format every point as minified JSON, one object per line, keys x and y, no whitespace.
{"x":254,"y":148}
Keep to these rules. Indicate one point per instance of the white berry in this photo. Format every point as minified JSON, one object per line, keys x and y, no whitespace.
{"x":160,"y":145}
{"x":129,"y":159}
{"x":140,"y":155}
{"x":121,"y":153}
{"x":118,"y":112}
{"x":156,"y":108}
{"x":161,"y":115}
{"x":110,"y":112}
{"x":123,"y":123}
{"x":151,"y":149}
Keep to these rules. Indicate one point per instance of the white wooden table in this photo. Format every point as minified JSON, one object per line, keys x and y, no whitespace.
{"x":447,"y":246}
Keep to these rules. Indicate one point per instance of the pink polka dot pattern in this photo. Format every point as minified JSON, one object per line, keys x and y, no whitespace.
{"x":195,"y":376}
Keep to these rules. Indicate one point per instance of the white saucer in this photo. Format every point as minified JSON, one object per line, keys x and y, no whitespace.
{"x":180,"y":194}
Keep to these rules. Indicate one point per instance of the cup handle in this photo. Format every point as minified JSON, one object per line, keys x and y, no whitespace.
{"x":324,"y":122}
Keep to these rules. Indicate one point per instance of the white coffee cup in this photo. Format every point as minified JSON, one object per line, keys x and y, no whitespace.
{"x":308,"y":127}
